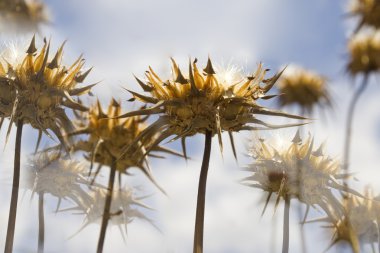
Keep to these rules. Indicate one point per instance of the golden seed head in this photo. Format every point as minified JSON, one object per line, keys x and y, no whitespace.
{"x":368,"y":12}
{"x":203,"y":100}
{"x":110,"y":138}
{"x":297,"y":170}
{"x":23,"y":14}
{"x":303,"y":88}
{"x":38,"y":88}
{"x":208,"y":100}
{"x":364,"y":52}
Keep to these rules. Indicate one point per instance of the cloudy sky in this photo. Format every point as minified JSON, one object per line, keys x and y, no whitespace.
{"x":120,"y":38}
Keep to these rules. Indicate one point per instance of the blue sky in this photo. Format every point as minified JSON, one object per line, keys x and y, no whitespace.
{"x":123,"y":37}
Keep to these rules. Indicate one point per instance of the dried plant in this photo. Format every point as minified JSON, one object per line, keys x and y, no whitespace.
{"x":364,"y":51}
{"x":49,"y":173}
{"x":22,"y":14}
{"x":303,"y":88}
{"x":358,"y":225}
{"x":368,"y":12}
{"x":124,"y":209}
{"x":110,"y":137}
{"x":111,"y":142}
{"x":364,"y":59}
{"x":206,"y":102}
{"x":296,"y":171}
{"x":62,"y":177}
{"x":306,"y":90}
{"x":43,"y":88}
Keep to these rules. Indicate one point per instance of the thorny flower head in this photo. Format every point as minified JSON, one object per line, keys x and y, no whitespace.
{"x":111,"y":142}
{"x":63,"y":178}
{"x":364,"y":49}
{"x":303,"y":88}
{"x":368,"y":12}
{"x":205,"y":101}
{"x":357,"y":225}
{"x":296,"y":171}
{"x":38,"y":89}
{"x":125,"y":208}
{"x":22,"y":14}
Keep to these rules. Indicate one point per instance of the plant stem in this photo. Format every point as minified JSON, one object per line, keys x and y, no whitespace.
{"x":350,"y":117}
{"x":285,"y":235}
{"x":199,"y":219}
{"x":107,"y":208}
{"x":41,"y":223}
{"x":15,"y":188}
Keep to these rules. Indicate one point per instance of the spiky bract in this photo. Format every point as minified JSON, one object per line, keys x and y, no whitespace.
{"x":205,"y":101}
{"x":303,"y":88}
{"x":38,"y":89}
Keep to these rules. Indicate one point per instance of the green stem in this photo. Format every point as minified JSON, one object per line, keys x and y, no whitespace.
{"x":350,"y":117}
{"x":285,"y":235}
{"x":41,"y":223}
{"x":15,"y":188}
{"x":107,"y":209}
{"x":199,"y":220}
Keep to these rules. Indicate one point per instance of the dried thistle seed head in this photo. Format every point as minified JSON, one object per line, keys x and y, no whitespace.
{"x":368,"y":12}
{"x":357,"y":225}
{"x":303,"y":88}
{"x":297,"y":170}
{"x":364,"y":49}
{"x":205,"y":100}
{"x":111,"y":141}
{"x":44,"y":88}
{"x":63,"y":178}
{"x":125,"y":207}
{"x":22,"y":14}
{"x":107,"y":137}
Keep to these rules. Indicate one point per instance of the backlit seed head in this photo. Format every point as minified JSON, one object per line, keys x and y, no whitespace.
{"x":303,"y":88}
{"x":297,"y":170}
{"x":364,"y":52}
{"x":205,"y":100}
{"x":22,"y":14}
{"x":38,"y":89}
{"x":358,"y":223}
{"x":125,"y":207}
{"x":64,"y":178}
{"x":368,"y":12}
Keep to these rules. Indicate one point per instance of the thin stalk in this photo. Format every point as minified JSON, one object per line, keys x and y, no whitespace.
{"x":350,"y":117}
{"x":299,"y":168}
{"x":107,"y":208}
{"x":15,"y":188}
{"x":302,"y":230}
{"x":378,"y":237}
{"x":285,"y":234}
{"x":199,"y":219}
{"x":41,"y":223}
